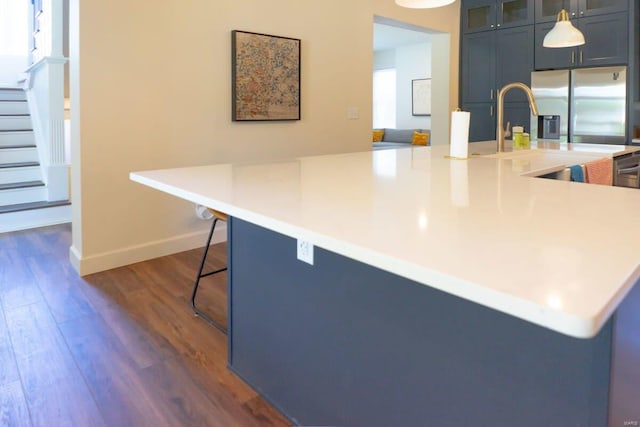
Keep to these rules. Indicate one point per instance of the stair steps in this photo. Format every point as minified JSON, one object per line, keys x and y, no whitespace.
{"x":21,"y":184}
{"x":14,"y":107}
{"x":23,"y":192}
{"x":15,"y":122}
{"x":12,"y":94}
{"x":36,"y":214}
{"x":22,"y":137}
{"x":28,"y":153}
{"x":31,"y":206}
{"x":19,"y":172}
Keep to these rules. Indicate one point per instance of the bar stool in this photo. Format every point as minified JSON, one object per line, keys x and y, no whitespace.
{"x":217,"y":216}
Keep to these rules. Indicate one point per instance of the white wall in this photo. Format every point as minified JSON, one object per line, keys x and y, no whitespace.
{"x":384,"y":59}
{"x":150,"y":89}
{"x":10,"y":67}
{"x":412,"y":62}
{"x":446,"y":76}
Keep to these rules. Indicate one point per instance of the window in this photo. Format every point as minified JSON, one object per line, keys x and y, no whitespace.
{"x":384,"y":98}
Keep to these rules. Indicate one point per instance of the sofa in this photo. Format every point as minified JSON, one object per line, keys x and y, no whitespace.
{"x":397,"y":138}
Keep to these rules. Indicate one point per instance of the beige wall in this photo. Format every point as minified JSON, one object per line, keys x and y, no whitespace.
{"x":150,"y":89}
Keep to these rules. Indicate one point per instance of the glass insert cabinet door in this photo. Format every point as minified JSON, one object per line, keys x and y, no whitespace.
{"x":514,"y":12}
{"x":483,"y":15}
{"x":547,"y":10}
{"x":478,"y":15}
{"x":598,"y":7}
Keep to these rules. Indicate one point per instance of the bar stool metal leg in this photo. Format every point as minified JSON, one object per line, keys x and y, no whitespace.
{"x":196,"y":310}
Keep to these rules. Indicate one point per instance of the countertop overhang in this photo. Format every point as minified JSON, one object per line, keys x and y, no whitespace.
{"x":559,"y":254}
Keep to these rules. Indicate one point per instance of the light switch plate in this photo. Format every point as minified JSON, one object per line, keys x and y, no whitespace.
{"x":353,"y":113}
{"x":305,"y":251}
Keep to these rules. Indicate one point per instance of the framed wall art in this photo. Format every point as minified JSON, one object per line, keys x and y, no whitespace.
{"x":421,"y":97}
{"x":265,"y":77}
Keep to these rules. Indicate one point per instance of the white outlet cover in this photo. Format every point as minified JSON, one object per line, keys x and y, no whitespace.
{"x":305,"y":251}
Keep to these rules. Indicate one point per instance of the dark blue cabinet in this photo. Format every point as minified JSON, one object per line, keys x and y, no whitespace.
{"x":606,"y":39}
{"x":478,"y":15}
{"x":490,"y":60}
{"x":547,"y":58}
{"x":514,"y":13}
{"x":547,"y":10}
{"x":478,"y":67}
{"x":483,"y":15}
{"x":482,"y":122}
{"x":517,"y":114}
{"x":482,"y":125}
{"x":514,"y":59}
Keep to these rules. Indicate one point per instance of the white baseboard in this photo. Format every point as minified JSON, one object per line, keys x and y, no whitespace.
{"x":137,"y":253}
{"x":23,"y":220}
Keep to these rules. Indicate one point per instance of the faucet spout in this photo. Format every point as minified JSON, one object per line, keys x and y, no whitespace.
{"x":500,"y":132}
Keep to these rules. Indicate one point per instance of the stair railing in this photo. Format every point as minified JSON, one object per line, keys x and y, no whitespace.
{"x":43,"y":82}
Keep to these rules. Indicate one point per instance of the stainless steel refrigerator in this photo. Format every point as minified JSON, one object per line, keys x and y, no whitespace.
{"x":582,"y":105}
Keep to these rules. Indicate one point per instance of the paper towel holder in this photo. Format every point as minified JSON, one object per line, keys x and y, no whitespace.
{"x":452,"y":157}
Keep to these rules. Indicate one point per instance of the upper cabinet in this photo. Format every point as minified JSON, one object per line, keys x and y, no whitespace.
{"x":514,"y":13}
{"x":478,"y":15}
{"x":547,"y":10}
{"x":606,"y":39}
{"x":484,"y":15}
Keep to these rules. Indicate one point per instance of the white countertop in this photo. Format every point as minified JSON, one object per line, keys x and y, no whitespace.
{"x":559,"y":254}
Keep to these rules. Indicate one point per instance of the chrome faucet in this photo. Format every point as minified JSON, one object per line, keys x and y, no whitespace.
{"x":500,"y":131}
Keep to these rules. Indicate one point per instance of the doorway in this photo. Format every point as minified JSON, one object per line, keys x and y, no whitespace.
{"x":412,"y":53}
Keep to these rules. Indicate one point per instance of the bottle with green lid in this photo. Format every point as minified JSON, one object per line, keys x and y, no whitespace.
{"x":517,"y":137}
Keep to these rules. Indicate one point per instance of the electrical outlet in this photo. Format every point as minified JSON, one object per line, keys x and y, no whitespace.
{"x":305,"y":251}
{"x":353,"y":113}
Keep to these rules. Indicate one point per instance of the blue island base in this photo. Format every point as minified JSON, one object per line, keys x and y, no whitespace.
{"x":344,"y":343}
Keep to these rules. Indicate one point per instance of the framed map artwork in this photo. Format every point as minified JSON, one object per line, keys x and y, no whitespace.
{"x":265,"y":77}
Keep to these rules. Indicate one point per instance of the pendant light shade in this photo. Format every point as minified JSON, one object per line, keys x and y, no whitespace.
{"x":423,"y":4}
{"x":563,"y":34}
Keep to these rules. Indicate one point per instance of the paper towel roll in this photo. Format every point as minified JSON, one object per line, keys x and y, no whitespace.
{"x":203,"y":212}
{"x":459,"y":134}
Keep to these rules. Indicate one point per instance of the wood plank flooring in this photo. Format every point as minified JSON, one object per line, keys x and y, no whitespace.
{"x":118,"y":348}
{"x":122,"y":347}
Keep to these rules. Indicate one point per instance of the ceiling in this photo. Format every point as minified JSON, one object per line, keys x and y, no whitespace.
{"x":389,"y":37}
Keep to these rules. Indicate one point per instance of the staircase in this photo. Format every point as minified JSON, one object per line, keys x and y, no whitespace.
{"x":21,"y":184}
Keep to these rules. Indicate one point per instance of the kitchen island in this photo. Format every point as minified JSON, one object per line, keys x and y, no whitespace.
{"x":443,"y":291}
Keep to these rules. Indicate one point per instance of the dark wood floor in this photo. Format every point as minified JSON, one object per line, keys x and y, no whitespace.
{"x":118,"y":348}
{"x":122,"y":348}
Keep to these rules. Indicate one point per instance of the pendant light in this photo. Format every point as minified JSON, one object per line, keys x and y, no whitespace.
{"x":423,"y":4}
{"x":563,"y":34}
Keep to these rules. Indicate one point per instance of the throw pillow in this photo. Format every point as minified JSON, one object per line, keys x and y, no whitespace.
{"x":420,"y":138}
{"x":398,"y":135}
{"x":377,"y":135}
